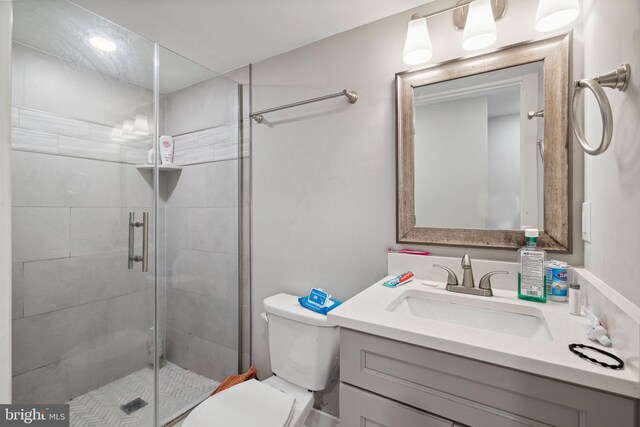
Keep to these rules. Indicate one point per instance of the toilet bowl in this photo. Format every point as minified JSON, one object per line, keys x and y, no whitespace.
{"x":304,"y":351}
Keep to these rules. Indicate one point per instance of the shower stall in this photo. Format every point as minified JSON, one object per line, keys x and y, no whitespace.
{"x":127,"y":283}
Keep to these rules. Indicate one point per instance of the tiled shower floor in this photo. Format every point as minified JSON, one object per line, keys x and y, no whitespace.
{"x":180,"y":390}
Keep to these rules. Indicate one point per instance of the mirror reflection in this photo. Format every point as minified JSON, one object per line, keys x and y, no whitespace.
{"x":478,"y":155}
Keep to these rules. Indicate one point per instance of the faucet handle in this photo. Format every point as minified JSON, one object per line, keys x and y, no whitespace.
{"x":452,"y":279}
{"x":485,"y":281}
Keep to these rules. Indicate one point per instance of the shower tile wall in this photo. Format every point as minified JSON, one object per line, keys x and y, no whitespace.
{"x":202,"y":229}
{"x":81,"y":318}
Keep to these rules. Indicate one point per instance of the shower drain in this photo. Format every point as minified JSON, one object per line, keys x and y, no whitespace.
{"x":133,"y":406}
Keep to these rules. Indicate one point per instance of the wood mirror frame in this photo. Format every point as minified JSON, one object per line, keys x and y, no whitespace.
{"x":555,"y":54}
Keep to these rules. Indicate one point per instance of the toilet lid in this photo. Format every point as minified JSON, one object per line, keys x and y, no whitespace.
{"x":248,"y":404}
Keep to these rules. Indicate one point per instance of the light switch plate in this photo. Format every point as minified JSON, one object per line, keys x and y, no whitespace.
{"x":586,"y":222}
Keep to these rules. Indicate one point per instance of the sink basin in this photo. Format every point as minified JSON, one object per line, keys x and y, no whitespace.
{"x":491,"y":315}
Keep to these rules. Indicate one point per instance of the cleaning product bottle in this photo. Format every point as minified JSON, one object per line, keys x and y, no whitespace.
{"x":531,"y":274}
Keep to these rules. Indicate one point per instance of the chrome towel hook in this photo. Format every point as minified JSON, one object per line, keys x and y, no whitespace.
{"x":616,"y":79}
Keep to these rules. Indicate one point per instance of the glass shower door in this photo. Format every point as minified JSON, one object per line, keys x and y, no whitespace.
{"x":199,"y":314}
{"x":84,"y":215}
{"x":126,"y":268}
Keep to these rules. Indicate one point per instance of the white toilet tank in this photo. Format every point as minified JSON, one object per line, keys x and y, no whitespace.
{"x":304,"y":348}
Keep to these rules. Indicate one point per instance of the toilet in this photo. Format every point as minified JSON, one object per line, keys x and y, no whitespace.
{"x":304,"y":352}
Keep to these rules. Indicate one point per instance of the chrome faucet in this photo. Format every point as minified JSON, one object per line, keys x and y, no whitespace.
{"x":468,"y":285}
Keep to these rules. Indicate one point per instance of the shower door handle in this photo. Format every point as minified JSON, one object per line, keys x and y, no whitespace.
{"x":145,"y":241}
{"x":133,"y":224}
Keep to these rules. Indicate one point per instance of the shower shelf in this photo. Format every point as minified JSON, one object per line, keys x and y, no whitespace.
{"x":161,"y":168}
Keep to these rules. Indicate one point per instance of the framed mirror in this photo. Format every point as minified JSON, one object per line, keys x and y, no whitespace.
{"x":483,"y":149}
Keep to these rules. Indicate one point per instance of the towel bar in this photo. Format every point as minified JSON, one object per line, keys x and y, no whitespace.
{"x":352,"y":97}
{"x":616,"y":79}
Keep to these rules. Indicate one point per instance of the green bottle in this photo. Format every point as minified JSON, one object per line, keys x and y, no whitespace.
{"x":531,"y":277}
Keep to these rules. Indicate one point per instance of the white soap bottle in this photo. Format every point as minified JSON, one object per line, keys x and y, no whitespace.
{"x":165,"y":142}
{"x":531,"y":274}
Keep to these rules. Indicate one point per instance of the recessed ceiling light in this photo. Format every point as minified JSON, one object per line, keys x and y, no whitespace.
{"x":102,"y":44}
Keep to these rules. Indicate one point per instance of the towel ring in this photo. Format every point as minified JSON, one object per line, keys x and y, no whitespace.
{"x":616,"y":79}
{"x":605,"y":114}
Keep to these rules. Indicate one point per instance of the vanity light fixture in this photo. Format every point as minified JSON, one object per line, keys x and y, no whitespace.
{"x":102,"y":44}
{"x":480,"y":29}
{"x":127,"y":130}
{"x":116,"y":133}
{"x":554,"y":14}
{"x":476,"y":17}
{"x":130,"y":130}
{"x":417,"y":46}
{"x":141,"y":125}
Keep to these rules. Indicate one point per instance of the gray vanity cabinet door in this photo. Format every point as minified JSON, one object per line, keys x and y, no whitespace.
{"x":359,"y":408}
{"x":471,"y":392}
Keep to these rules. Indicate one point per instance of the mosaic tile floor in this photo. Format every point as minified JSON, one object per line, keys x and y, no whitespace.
{"x":180,"y":390}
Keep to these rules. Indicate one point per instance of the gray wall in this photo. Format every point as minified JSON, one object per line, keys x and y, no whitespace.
{"x":612,"y":180}
{"x":202,"y":208}
{"x":324,"y":174}
{"x":81,"y":318}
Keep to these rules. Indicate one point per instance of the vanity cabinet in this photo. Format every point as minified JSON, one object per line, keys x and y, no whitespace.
{"x":364,"y":409}
{"x":394,"y":384}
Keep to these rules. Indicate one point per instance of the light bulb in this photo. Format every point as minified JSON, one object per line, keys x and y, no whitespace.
{"x":480,"y":28}
{"x":417,"y":47}
{"x":554,"y":14}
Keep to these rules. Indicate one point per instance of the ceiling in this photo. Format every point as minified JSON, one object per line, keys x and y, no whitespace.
{"x":62,"y":30}
{"x":227,"y":34}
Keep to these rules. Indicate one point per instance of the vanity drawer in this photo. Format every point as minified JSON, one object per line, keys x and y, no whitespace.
{"x":364,"y":409}
{"x":472,"y":392}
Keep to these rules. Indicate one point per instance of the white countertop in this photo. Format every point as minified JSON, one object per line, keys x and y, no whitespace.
{"x":367,"y":312}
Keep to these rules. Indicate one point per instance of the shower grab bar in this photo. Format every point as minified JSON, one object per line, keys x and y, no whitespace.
{"x":615,"y":79}
{"x":133,"y":224}
{"x":352,"y":97}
